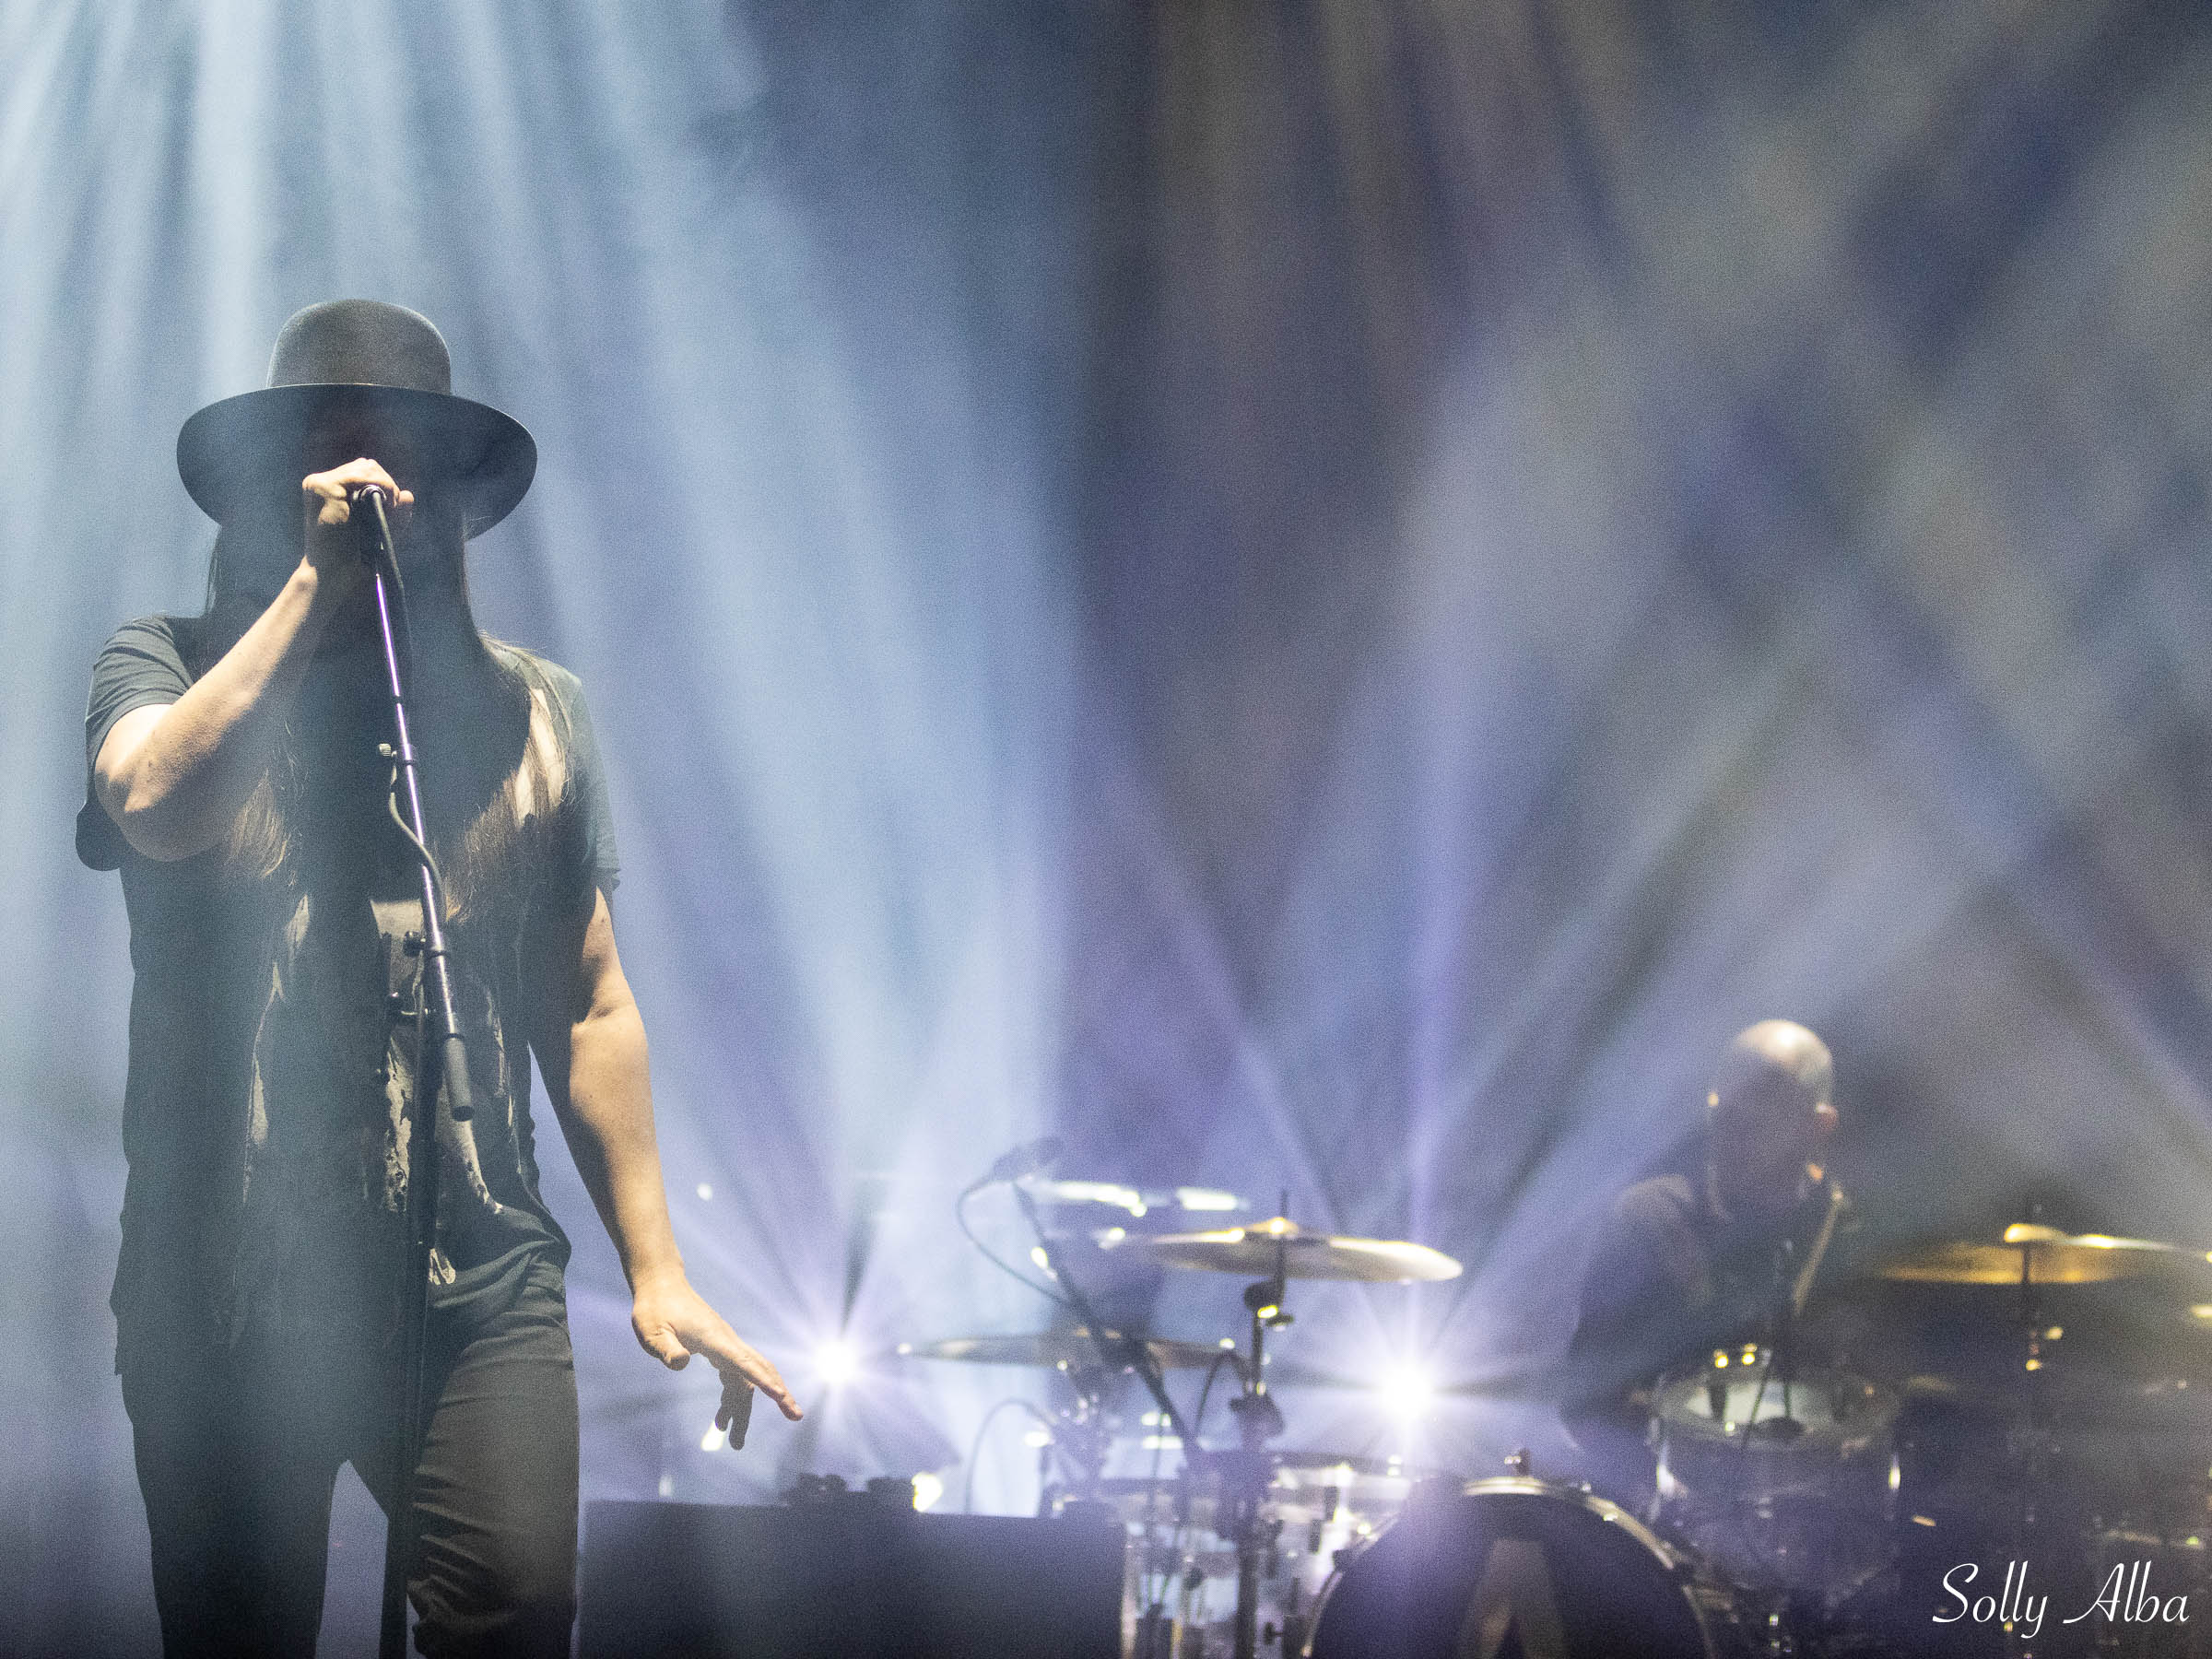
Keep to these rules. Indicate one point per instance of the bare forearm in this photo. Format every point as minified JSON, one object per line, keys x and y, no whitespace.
{"x":608,"y":1122}
{"x":173,"y":777}
{"x":592,"y":1045}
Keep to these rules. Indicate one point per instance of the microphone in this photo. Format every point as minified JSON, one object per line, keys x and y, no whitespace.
{"x":1837,"y":1202}
{"x":376,"y":528}
{"x":1025,"y":1159}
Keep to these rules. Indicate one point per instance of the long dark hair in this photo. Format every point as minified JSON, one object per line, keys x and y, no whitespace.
{"x":285,"y":823}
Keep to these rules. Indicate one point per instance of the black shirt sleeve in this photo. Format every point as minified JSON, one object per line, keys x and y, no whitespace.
{"x":1647,"y":1277}
{"x":1637,"y":1308}
{"x":599,"y":864}
{"x":141,"y":665}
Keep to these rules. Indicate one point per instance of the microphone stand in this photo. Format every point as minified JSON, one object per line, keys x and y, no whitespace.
{"x":1115,"y":1351}
{"x":440,"y":1057}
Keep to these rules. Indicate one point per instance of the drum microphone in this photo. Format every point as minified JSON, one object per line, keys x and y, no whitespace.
{"x":1832,"y":1212}
{"x":1025,"y":1159}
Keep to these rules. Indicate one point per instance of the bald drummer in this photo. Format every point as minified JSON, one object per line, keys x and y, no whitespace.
{"x":1687,"y":1263}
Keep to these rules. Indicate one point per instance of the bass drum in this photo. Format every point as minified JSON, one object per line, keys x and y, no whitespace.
{"x":1520,"y":1567}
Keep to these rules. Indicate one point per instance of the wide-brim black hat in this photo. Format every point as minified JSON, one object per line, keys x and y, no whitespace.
{"x":350,"y":366}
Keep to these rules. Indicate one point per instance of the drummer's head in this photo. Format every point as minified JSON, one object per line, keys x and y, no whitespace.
{"x":1767,"y":1115}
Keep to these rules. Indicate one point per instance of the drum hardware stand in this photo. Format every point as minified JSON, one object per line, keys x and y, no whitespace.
{"x":441,"y":1058}
{"x":2034,"y":1446}
{"x":1081,"y":1434}
{"x":1247,"y":1472}
{"x":1778,"y":1363}
{"x":1782,"y":1351}
{"x":1793,"y":1286}
{"x":1114,"y":1353}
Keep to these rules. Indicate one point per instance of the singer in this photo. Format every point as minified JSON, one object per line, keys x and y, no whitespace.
{"x":1690,"y":1259}
{"x":235,"y":780}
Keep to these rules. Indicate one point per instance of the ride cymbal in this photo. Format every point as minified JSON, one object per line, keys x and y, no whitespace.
{"x":2042,"y":1255}
{"x":1070,"y":1349}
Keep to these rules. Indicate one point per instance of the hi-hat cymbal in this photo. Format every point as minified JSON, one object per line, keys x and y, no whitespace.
{"x":1258,"y":1251}
{"x":1070,"y":1349}
{"x":2044,"y":1255}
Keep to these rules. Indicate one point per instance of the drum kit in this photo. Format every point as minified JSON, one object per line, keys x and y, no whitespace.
{"x":2038,"y":1406}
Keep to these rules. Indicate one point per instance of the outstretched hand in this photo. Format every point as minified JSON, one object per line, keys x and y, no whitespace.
{"x":673,"y":1322}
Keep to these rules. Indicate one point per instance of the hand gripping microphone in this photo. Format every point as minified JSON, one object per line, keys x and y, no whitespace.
{"x":372,"y":502}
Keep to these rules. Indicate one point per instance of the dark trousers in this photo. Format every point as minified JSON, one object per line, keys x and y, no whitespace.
{"x":238,"y":1457}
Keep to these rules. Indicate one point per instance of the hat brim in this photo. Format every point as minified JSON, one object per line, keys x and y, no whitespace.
{"x":244,"y":452}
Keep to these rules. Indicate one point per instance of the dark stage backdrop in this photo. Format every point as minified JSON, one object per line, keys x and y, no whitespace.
{"x":1318,"y":597}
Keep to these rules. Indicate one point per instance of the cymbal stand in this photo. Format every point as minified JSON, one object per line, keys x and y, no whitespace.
{"x":2032,"y":1446}
{"x":1247,"y":1472}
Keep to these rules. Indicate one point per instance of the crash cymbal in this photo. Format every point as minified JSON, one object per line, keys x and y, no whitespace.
{"x":1070,"y":1349}
{"x":1134,"y":1202}
{"x":1256,"y":1251}
{"x":2047,"y":1256}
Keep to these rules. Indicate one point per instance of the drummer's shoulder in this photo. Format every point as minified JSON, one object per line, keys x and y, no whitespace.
{"x":1662,"y":1203}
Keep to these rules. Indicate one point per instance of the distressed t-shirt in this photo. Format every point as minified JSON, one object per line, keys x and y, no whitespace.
{"x":273,"y":1033}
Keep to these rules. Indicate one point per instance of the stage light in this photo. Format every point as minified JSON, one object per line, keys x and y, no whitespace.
{"x":714,"y":1440}
{"x":1409,"y":1391}
{"x":1101,"y":1192}
{"x":928,"y":1488}
{"x":1206,"y":1198}
{"x":836,"y":1362}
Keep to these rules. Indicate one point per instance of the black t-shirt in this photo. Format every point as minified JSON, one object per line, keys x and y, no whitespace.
{"x":1669,"y":1282}
{"x":271,"y":1077}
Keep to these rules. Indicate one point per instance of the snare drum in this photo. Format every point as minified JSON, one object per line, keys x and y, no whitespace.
{"x":1554,"y":1569}
{"x":1783,"y":1484}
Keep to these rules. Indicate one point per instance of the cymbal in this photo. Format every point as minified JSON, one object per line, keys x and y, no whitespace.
{"x":2093,"y":1397}
{"x":2047,"y":1256}
{"x":1291,"y":1466}
{"x":1137,"y":1202}
{"x":1070,"y":1349}
{"x":1255,"y":1250}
